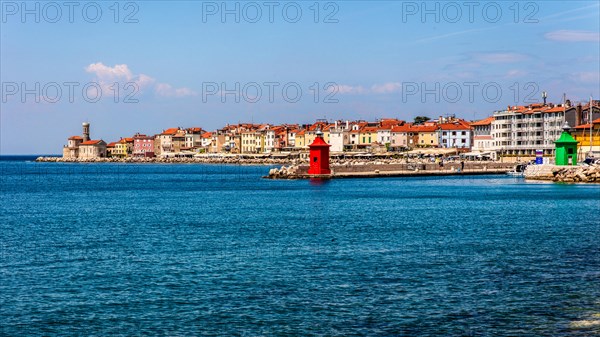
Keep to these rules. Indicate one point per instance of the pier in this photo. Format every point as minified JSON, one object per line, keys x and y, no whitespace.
{"x":372,"y":170}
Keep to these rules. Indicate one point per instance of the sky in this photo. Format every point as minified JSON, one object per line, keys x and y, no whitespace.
{"x":128,"y":67}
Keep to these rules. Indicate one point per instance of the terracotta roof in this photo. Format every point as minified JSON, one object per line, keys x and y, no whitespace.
{"x":170,"y":131}
{"x":460,"y":125}
{"x":321,"y":125}
{"x":369,"y":129}
{"x":556,"y":109}
{"x":92,"y":142}
{"x":207,"y":135}
{"x":76,"y":138}
{"x":424,"y":128}
{"x":388,"y":123}
{"x":111,"y":144}
{"x":587,"y":126}
{"x":402,"y":128}
{"x":486,"y":121}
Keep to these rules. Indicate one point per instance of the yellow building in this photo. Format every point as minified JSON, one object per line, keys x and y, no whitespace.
{"x":110,"y":149}
{"x":367,"y":135}
{"x":427,"y":135}
{"x":248,"y":140}
{"x":123,"y":148}
{"x":581,"y":134}
{"x":300,"y":139}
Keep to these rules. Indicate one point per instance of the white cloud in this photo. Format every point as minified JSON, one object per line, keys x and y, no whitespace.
{"x":166,"y":90}
{"x":384,"y":88}
{"x":586,"y":77}
{"x":348,"y":89}
{"x":514,"y":73}
{"x":573,"y":36}
{"x":121,"y":74}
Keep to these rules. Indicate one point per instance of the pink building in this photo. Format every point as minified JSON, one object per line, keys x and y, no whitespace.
{"x":143,"y":146}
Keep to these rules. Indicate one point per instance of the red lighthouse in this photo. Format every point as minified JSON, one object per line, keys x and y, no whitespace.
{"x":319,"y":156}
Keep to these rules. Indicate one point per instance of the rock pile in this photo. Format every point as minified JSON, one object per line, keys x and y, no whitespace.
{"x":577,"y":174}
{"x":285,"y":172}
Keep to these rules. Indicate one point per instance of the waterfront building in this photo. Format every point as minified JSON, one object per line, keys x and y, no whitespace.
{"x":193,"y":138}
{"x":581,"y":134}
{"x":367,"y":136}
{"x":482,"y":135}
{"x":268,"y":138}
{"x":92,"y":149}
{"x":110,"y":149}
{"x":402,"y":137}
{"x":299,"y":143}
{"x":206,"y":140}
{"x":71,"y":150}
{"x":178,"y":141}
{"x":384,"y":131}
{"x":339,"y":136}
{"x":521,"y":130}
{"x":164,"y":141}
{"x":81,"y":147}
{"x":310,"y":133}
{"x":143,"y":146}
{"x":455,"y":134}
{"x":384,"y":135}
{"x":426,"y":135}
{"x":248,"y":145}
{"x":292,"y":137}
{"x":581,"y":113}
{"x":123,"y":148}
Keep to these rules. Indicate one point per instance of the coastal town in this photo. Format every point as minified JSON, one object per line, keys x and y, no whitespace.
{"x":512,"y":134}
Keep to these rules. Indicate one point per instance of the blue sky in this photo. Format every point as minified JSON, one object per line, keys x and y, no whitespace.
{"x":378,"y":57}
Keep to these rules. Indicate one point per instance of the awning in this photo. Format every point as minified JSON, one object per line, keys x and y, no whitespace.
{"x":435,"y":151}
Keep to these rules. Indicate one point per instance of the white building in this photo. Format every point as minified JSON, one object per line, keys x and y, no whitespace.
{"x":482,"y":136}
{"x":454,"y":134}
{"x":384,"y":135}
{"x":521,"y":130}
{"x":338,"y":136}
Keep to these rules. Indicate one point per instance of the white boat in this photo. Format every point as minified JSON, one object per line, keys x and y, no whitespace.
{"x":519,"y":170}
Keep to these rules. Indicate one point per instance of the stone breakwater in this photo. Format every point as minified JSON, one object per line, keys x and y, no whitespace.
{"x":564,"y":174}
{"x":587,"y":174}
{"x":182,"y":160}
{"x":350,"y":169}
{"x":265,"y":160}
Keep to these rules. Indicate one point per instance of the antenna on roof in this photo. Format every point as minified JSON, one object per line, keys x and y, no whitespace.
{"x":544,"y":96}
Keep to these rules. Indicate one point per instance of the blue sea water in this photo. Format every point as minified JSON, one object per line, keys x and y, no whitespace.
{"x":179,"y":250}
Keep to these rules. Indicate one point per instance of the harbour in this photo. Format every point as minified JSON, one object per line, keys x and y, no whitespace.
{"x":121,"y":249}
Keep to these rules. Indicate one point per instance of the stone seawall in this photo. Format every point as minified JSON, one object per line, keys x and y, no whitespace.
{"x":565,"y":174}
{"x":207,"y":160}
{"x":378,"y":169}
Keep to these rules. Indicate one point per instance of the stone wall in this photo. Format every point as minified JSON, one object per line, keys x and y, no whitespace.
{"x":567,"y":174}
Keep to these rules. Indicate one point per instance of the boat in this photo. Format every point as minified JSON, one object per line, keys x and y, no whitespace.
{"x":519,"y":170}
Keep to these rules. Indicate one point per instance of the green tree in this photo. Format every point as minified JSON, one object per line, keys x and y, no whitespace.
{"x":421,"y":119}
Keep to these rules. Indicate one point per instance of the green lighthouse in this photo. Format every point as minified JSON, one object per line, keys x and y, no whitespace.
{"x":566,"y":148}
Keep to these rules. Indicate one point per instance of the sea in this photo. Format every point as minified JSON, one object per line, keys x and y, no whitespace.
{"x":112,"y":249}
